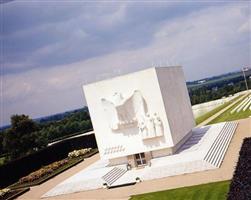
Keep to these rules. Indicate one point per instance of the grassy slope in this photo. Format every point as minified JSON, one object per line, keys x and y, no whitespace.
{"x":211,"y":191}
{"x":214,"y":111}
{"x":227,"y":116}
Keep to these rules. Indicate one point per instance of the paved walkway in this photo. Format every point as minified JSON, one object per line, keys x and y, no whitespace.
{"x":222,"y":111}
{"x":225,"y":172}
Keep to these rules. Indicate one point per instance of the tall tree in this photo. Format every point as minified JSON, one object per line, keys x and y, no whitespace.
{"x":21,"y":138}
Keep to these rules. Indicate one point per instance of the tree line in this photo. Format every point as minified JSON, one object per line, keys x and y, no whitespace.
{"x":208,"y":92}
{"x":26,"y":135}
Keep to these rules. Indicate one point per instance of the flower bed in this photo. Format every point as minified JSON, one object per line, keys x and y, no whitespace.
{"x":54,"y":166}
{"x":90,"y":153}
{"x":4,"y":192}
{"x":8,"y":194}
{"x":39,"y":177}
{"x":49,"y":171}
{"x":43,"y":171}
{"x":80,"y":152}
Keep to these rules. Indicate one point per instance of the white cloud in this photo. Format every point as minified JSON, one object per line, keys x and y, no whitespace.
{"x":245,"y":27}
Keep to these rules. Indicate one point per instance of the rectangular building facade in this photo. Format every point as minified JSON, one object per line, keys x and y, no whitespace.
{"x":140,"y":116}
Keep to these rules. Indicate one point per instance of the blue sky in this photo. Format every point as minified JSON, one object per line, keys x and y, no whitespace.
{"x":51,"y":48}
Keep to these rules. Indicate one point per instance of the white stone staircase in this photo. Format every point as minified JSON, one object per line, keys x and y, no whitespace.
{"x":219,"y":147}
{"x":113,"y":175}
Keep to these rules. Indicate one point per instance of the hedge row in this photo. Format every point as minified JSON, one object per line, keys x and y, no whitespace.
{"x":13,"y":171}
{"x":240,"y":187}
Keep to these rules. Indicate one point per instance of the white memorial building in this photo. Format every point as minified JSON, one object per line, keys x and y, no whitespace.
{"x":145,"y":120}
{"x":140,"y":116}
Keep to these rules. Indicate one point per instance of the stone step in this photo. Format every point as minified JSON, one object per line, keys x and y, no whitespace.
{"x":218,"y":149}
{"x":213,"y":146}
{"x":224,"y":149}
{"x":221,"y":143}
{"x":109,"y":173}
{"x":113,"y":175}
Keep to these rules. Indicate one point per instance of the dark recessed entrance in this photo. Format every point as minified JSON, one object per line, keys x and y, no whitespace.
{"x":140,"y":159}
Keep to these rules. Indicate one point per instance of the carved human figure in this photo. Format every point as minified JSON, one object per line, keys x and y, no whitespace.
{"x":150,"y":126}
{"x":158,"y":125}
{"x":143,"y":129}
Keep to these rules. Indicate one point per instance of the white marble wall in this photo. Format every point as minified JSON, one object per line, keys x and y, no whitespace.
{"x":176,"y":101}
{"x":164,"y":94}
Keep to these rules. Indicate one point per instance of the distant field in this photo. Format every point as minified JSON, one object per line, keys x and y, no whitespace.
{"x":227,"y":116}
{"x":211,"y":191}
{"x":202,"y":118}
{"x":224,"y":77}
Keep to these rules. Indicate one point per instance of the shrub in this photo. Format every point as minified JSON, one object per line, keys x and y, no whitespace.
{"x":80,"y":152}
{"x":4,"y":191}
{"x":240,"y":187}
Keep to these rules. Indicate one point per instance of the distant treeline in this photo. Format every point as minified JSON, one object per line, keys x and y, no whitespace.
{"x":26,"y":136}
{"x":227,"y":76}
{"x":217,"y":89}
{"x":76,"y":121}
{"x":60,"y":116}
{"x":17,"y":168}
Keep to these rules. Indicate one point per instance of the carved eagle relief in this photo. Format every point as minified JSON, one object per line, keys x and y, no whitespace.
{"x":123,"y":113}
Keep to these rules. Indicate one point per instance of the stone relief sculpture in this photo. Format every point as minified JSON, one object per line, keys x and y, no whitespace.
{"x":123,"y":113}
{"x":132,"y":112}
{"x":143,"y":129}
{"x":151,"y":127}
{"x":114,"y":149}
{"x":158,"y":125}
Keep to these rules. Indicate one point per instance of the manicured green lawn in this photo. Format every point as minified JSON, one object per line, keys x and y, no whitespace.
{"x":214,"y":111}
{"x":211,"y":191}
{"x":227,"y":116}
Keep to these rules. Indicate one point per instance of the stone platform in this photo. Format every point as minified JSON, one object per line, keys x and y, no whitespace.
{"x":204,"y":150}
